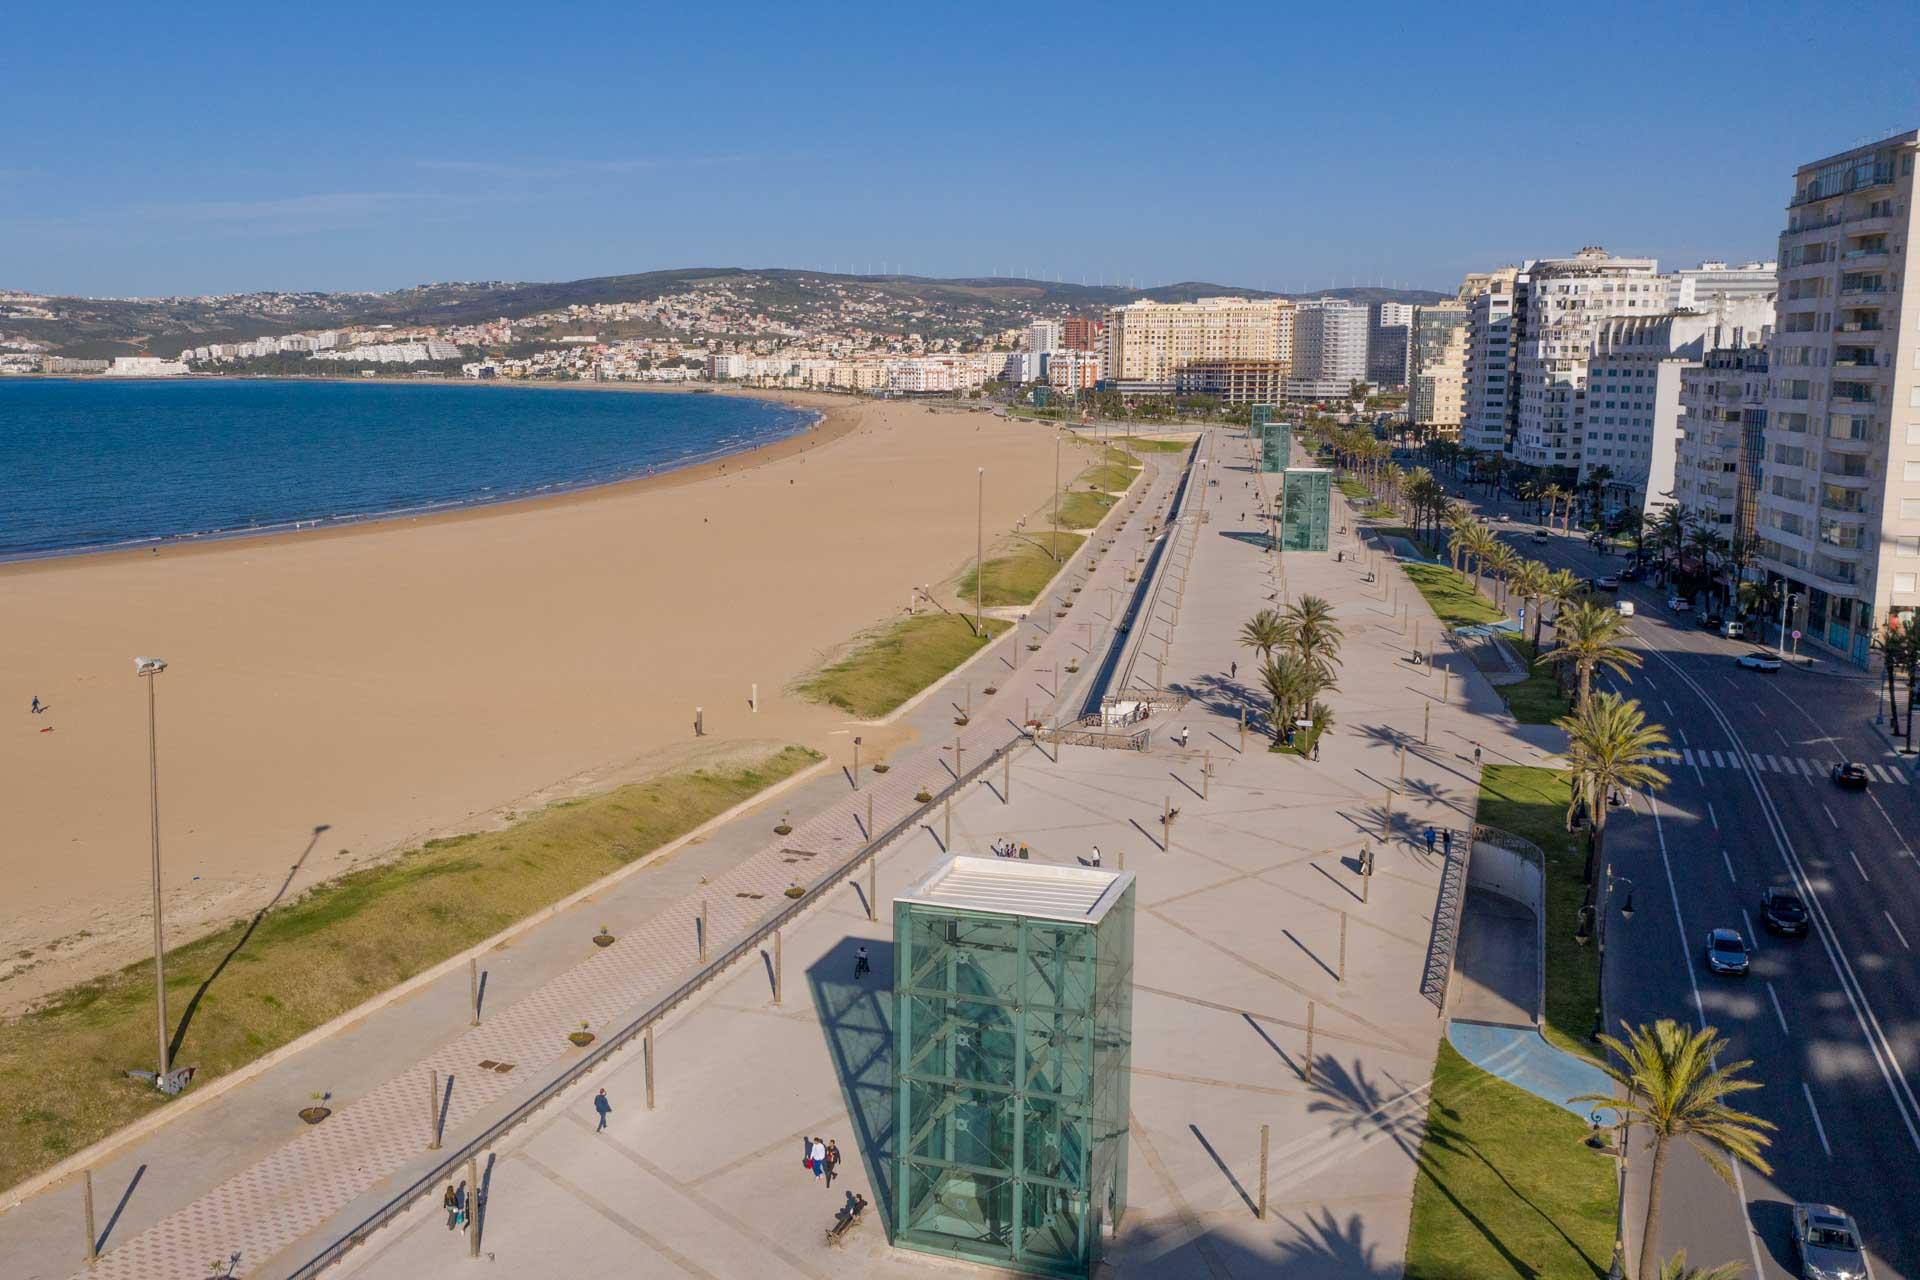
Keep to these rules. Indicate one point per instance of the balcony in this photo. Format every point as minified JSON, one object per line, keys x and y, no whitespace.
{"x":1862,"y":326}
{"x":1863,"y":255}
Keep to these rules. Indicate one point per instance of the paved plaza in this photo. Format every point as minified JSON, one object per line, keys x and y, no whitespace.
{"x":1244,"y":904}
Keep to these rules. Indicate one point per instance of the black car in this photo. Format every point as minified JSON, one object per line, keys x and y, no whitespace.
{"x":1851,"y":777}
{"x":1781,"y":911}
{"x":1633,"y":573}
{"x":1710,"y":621}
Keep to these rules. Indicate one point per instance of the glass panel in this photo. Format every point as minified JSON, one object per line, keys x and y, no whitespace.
{"x":1050,"y":1223}
{"x":1059,"y":968}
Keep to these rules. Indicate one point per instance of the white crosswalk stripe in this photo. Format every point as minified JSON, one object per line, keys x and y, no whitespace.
{"x":1791,"y":766}
{"x":1687,"y":755}
{"x":1718,"y":763}
{"x":1766,"y":764}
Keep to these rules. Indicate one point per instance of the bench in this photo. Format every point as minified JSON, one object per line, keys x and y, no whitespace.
{"x":846,"y":1220}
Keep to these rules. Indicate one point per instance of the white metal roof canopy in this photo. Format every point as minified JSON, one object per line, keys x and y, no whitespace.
{"x":1012,"y":888}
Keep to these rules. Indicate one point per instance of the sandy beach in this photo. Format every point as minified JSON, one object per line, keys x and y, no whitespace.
{"x":418,"y":677}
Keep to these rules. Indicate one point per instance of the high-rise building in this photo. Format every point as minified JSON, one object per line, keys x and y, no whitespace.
{"x":1149,"y":342}
{"x":1436,"y":369}
{"x":1329,"y":349}
{"x":1080,"y":333}
{"x":1701,"y":288}
{"x":1489,"y":395}
{"x":1043,"y":336}
{"x":1565,"y":300}
{"x":1234,"y":381}
{"x":1629,"y":416}
{"x":1389,"y":326}
{"x":1840,"y":507}
{"x":1723,"y":418}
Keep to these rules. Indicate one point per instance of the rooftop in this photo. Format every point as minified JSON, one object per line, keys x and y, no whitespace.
{"x":1080,"y":894}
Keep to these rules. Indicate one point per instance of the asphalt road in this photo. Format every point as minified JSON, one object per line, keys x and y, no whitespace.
{"x":1830,"y":1021}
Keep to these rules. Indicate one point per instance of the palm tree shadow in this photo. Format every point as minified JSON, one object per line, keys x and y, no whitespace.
{"x":193,"y":1005}
{"x":1321,"y":1249}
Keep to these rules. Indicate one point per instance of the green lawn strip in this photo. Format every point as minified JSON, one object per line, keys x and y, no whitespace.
{"x":1141,"y":445}
{"x":1532,"y":802}
{"x":1420,"y":543}
{"x":1506,"y":1187}
{"x":305,"y":962}
{"x":892,"y":663}
{"x":1111,"y":477}
{"x":1355,"y":491}
{"x":1535,"y":700}
{"x":1018,"y":575}
{"x":1084,"y":509}
{"x":1452,"y":595}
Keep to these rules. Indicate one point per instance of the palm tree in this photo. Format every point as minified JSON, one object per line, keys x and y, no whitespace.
{"x":1676,"y":1268}
{"x":1670,"y":530}
{"x":1551,"y":495}
{"x":1563,"y":588}
{"x":1502,"y":560}
{"x":1308,"y":631}
{"x":1291,"y":683}
{"x":1529,"y":582}
{"x":1609,"y":746}
{"x":1263,"y":633}
{"x":1587,"y":639}
{"x":1480,"y":544}
{"x":1675,"y":1091}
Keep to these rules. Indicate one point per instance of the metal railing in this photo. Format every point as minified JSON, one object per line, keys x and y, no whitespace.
{"x":1079,"y":736}
{"x":450,"y":1164}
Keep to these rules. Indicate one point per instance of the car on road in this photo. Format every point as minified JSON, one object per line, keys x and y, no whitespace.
{"x":1679,"y":604}
{"x":1826,"y":1244}
{"x":1624,"y":608}
{"x":1733,"y":629}
{"x":1781,"y":911}
{"x":1727,"y":952}
{"x":1710,"y":621}
{"x":1851,"y":776}
{"x":1609,"y":583}
{"x":1758,"y":660}
{"x":1501,"y":517}
{"x":1633,"y":573}
{"x":1541,"y":535}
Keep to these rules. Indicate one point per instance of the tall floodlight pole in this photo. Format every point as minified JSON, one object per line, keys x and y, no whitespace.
{"x":980,"y":555}
{"x":1056,"y":496}
{"x":149,"y":669}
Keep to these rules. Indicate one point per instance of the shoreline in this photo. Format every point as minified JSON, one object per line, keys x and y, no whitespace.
{"x":829,"y":421}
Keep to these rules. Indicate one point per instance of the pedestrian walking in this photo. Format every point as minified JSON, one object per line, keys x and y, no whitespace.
{"x":451,"y":1203}
{"x":861,"y":967}
{"x":1233,"y":671}
{"x":604,"y":1107}
{"x":36,"y":704}
{"x":1431,"y":834}
{"x":833,"y":1161}
{"x":1096,"y":855}
{"x":1446,"y":842}
{"x":806,"y":1153}
{"x":818,"y":1154}
{"x":1185,"y":733}
{"x":1476,"y":755}
{"x":461,"y":1199}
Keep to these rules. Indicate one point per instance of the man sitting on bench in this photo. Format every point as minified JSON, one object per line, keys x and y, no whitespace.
{"x":846,"y":1219}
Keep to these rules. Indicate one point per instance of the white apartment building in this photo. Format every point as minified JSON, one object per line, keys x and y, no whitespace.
{"x":1329,"y":348}
{"x":1043,"y":336}
{"x":1436,"y":368}
{"x":1150,"y":341}
{"x":1073,"y":370}
{"x":1701,"y":288}
{"x":1723,"y":416}
{"x":1489,"y":378}
{"x":1839,"y":514}
{"x":1629,"y":416}
{"x":1566,"y":298}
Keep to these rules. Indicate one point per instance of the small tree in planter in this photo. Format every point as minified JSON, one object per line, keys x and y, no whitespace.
{"x":1073,"y":665}
{"x":881,"y":766}
{"x":991,"y":690}
{"x":582,"y":1037}
{"x":319,"y":1110}
{"x":785,"y":826}
{"x":795,"y":891}
{"x":604,"y":938}
{"x":923,"y":796}
{"x":963,"y":719}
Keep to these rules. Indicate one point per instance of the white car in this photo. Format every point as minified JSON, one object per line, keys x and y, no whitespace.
{"x":1624,"y":608}
{"x":1758,"y":660}
{"x":1679,"y":604}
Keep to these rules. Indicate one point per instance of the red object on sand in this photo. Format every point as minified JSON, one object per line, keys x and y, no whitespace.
{"x":48,"y":729}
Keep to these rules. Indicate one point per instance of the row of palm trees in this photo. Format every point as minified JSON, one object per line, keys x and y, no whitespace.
{"x":1299,"y":652}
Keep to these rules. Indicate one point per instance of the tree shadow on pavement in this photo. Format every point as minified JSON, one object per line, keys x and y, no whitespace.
{"x":1324,"y":1250}
{"x":856,"y":1017}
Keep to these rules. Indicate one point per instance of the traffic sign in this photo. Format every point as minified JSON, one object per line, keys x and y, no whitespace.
{"x":1796,"y":633}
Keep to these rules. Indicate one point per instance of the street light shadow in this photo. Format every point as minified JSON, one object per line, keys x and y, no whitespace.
{"x":856,"y":1018}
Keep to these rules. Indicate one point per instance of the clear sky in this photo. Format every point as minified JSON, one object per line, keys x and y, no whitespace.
{"x":208,"y":147}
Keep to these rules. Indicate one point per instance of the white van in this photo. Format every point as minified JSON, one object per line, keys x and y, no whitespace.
{"x":1624,"y":608}
{"x":1732,"y":629}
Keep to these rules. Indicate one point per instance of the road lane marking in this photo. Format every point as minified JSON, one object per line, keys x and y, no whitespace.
{"x":1718,"y":763}
{"x":1712,"y":816}
{"x":1762,"y":710}
{"x":1817,"y":1126}
{"x":1857,"y":867}
{"x":1891,"y":826}
{"x":1687,"y":755}
{"x":1682,"y":733}
{"x":1668,"y":706}
{"x":1729,"y":861}
{"x":1783,"y":740}
{"x":1896,"y":929}
{"x":1753,"y":939}
{"x":1782,"y":1017}
{"x":1830,"y":818}
{"x":1653,"y":686}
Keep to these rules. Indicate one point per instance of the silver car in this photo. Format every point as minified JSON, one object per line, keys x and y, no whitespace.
{"x":1827,"y":1244}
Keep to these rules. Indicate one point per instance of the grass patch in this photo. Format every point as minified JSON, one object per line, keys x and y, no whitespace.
{"x":1535,"y":700}
{"x":1159,"y":446}
{"x":1355,"y":491}
{"x":1532,"y":802}
{"x":1452,"y":595}
{"x":890,"y":665}
{"x":310,"y":960}
{"x":1424,"y":547}
{"x":1084,"y":509}
{"x":1110,"y":476}
{"x":1506,"y":1186}
{"x":1023,"y":572}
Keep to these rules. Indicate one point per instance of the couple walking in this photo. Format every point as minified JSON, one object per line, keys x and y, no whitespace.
{"x":823,"y":1158}
{"x":455,"y":1203}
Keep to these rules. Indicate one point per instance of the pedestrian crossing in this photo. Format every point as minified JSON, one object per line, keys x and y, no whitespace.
{"x":1790,"y":766}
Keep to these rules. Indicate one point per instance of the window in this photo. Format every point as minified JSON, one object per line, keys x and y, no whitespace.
{"x":1907,"y":548}
{"x":1911,"y":473}
{"x":1910,"y":508}
{"x":1903,"y":583}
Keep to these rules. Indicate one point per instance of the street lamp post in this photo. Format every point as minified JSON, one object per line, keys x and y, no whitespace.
{"x":856,"y":762}
{"x":149,"y":669}
{"x":980,"y":554}
{"x":1057,"y":437}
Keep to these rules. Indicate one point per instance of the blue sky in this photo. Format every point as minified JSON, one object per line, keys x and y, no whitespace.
{"x":201,"y":148}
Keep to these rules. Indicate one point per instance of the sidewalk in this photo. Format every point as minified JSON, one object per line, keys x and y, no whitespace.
{"x":243,"y":1175}
{"x":1238,"y":933}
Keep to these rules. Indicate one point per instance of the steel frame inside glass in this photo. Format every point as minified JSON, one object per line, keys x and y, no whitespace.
{"x":1012,"y":1047}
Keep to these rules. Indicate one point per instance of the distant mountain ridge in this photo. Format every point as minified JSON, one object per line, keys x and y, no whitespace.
{"x":100,"y":327}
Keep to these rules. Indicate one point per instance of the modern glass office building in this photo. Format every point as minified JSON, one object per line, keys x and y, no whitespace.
{"x":1013,"y":1028}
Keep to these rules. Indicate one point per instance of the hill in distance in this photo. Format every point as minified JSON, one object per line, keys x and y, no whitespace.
{"x":101,"y":327}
